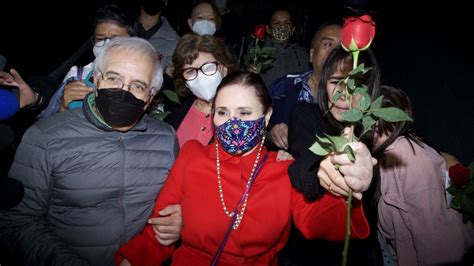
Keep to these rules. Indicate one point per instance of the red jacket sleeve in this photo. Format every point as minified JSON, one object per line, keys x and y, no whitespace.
{"x":144,"y":249}
{"x":325,"y":218}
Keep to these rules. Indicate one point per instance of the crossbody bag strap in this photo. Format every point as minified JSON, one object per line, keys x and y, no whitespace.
{"x":79,"y":73}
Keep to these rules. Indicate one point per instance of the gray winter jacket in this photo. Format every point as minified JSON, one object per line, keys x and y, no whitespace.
{"x":88,"y":188}
{"x":165,"y":41}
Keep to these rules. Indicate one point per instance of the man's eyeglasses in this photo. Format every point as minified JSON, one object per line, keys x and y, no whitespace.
{"x":114,"y":81}
{"x":207,"y":69}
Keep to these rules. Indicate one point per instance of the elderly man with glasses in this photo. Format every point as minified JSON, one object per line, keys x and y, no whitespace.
{"x":92,"y":174}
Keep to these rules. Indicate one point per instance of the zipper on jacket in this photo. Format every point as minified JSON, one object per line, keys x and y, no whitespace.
{"x":122,"y":191}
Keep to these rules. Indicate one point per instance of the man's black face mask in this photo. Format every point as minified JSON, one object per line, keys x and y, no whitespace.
{"x":119,"y":108}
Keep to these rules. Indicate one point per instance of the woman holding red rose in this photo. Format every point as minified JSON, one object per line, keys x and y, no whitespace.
{"x":414,"y":220}
{"x":310,"y":119}
{"x":236,"y":196}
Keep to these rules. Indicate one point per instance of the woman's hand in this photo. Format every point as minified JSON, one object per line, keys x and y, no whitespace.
{"x":279,"y":135}
{"x":337,"y":173}
{"x":168,"y":226}
{"x":74,"y":90}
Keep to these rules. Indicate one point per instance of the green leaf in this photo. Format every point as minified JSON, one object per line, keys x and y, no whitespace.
{"x":319,"y":149}
{"x":455,"y":203}
{"x":367,"y":122}
{"x":160,"y":115}
{"x":258,"y":67}
{"x":377,"y":103}
{"x":367,"y":69}
{"x":173,"y":96}
{"x":267,"y":62}
{"x":324,"y":140}
{"x":338,"y":142}
{"x":351,"y":84}
{"x":471,"y":168}
{"x":258,"y":50}
{"x":361,"y":89}
{"x":360,"y":70}
{"x":469,"y":188}
{"x":350,"y":153}
{"x":364,"y":102}
{"x":322,"y":146}
{"x":467,"y":204}
{"x":391,"y":114}
{"x":336,"y":96}
{"x":357,"y":70}
{"x":268,"y":50}
{"x":453,"y":190}
{"x":352,"y":115}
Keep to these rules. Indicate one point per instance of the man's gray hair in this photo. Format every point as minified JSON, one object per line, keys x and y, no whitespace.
{"x":135,"y":45}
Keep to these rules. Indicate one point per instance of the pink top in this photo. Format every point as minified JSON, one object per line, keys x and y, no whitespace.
{"x":413,"y":213}
{"x":195,"y":125}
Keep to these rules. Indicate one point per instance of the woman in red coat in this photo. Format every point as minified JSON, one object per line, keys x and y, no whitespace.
{"x":234,"y":188}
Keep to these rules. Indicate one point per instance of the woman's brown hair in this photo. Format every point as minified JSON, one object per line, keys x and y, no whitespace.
{"x":188,"y":50}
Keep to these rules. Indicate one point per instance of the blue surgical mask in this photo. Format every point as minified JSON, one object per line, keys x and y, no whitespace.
{"x":239,"y":136}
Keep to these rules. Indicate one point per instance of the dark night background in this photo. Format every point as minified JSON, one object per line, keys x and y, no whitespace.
{"x":424,"y":50}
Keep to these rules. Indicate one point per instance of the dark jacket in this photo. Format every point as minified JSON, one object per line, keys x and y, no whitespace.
{"x":88,"y":188}
{"x":306,"y":122}
{"x":285,"y":92}
{"x":291,"y":59}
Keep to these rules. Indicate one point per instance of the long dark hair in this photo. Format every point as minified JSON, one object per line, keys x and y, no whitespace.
{"x":336,"y":60}
{"x":393,"y":97}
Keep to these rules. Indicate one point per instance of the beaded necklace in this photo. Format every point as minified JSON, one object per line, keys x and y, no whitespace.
{"x":240,"y":215}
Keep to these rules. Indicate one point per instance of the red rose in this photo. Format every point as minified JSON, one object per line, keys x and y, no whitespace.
{"x":357,"y":33}
{"x":459,"y":175}
{"x":259,"y":32}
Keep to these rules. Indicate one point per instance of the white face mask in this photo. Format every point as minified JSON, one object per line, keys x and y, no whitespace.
{"x":204,"y":27}
{"x":204,"y":87}
{"x":99,"y":47}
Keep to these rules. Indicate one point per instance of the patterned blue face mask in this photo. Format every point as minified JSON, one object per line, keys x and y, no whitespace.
{"x":238,"y":136}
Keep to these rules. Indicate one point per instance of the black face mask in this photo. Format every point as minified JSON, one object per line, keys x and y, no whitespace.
{"x":152,"y":7}
{"x":119,"y":108}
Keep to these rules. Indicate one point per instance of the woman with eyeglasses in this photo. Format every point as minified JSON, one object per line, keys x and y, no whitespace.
{"x":200,"y":63}
{"x":110,"y":21}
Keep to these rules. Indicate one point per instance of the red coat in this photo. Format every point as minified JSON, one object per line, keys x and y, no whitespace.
{"x":265,"y":226}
